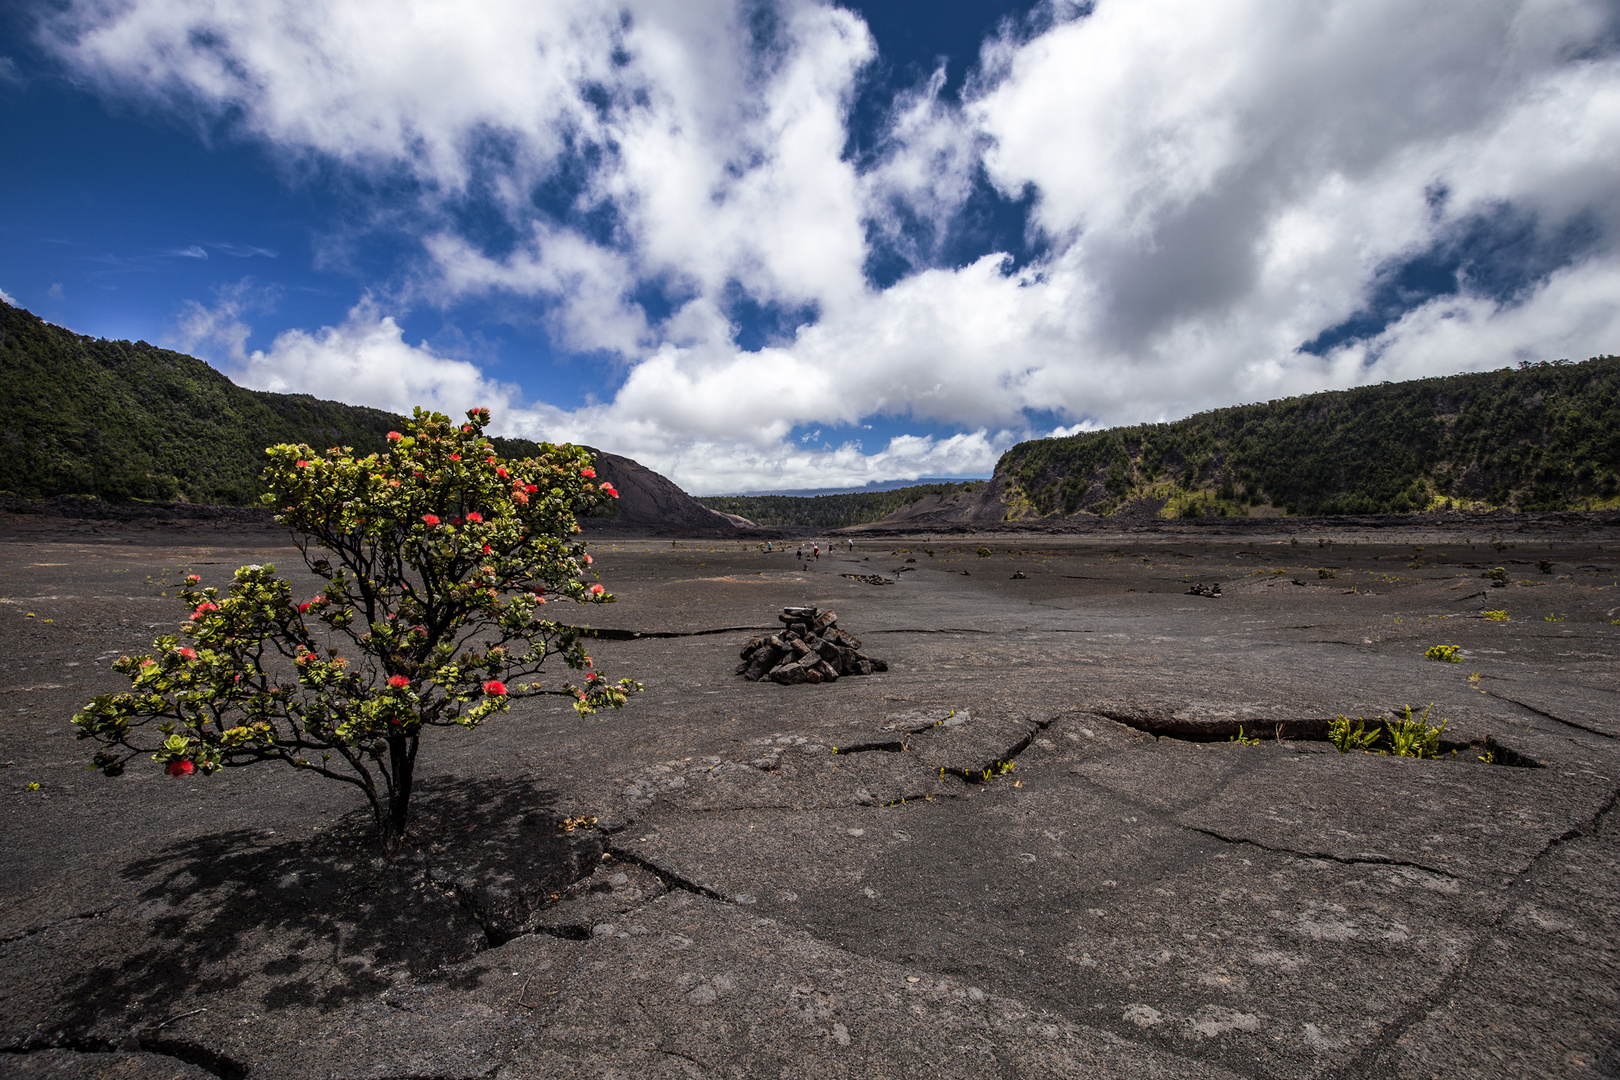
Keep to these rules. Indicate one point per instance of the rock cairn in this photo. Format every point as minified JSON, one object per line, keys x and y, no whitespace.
{"x":809,"y":649}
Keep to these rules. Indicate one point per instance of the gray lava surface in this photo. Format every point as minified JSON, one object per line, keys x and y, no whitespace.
{"x":1031,"y":848}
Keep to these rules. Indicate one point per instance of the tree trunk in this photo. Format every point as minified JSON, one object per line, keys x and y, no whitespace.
{"x":402,"y":762}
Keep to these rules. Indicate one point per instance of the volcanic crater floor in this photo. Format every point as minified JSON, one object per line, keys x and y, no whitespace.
{"x":1031,"y":848}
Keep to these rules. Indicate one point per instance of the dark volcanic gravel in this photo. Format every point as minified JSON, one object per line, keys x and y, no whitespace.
{"x":797,"y":881}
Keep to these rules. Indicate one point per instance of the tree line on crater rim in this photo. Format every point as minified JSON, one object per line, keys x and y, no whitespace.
{"x":126,"y":420}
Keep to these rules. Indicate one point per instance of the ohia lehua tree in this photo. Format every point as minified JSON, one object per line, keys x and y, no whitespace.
{"x":439,"y":561}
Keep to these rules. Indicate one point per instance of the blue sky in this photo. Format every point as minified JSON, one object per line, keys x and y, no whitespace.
{"x":796,"y":245}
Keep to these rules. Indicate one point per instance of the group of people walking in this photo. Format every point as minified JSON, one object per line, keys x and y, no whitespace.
{"x":815,"y":550}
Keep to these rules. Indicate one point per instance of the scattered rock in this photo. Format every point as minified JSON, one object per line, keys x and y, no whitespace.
{"x":1208,"y":590}
{"x":809,"y":649}
{"x":870,"y":579}
{"x":1019,"y":575}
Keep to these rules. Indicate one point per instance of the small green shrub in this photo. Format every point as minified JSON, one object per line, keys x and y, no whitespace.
{"x":1552,"y":616}
{"x":1449,"y":654}
{"x":982,"y":552}
{"x":1414,"y":736}
{"x":1346,"y":738}
{"x":1545,"y":566}
{"x":1326,"y":574}
{"x":1496,"y":616}
{"x":1244,"y":739}
{"x":1498,"y":577}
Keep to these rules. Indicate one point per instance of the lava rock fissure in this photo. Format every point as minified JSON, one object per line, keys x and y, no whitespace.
{"x":1298,"y":729}
{"x":667,"y":876}
{"x":204,"y":1058}
{"x":1347,"y":860}
{"x":610,"y":634}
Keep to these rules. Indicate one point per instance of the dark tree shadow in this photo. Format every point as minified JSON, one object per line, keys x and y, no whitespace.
{"x":316,"y":922}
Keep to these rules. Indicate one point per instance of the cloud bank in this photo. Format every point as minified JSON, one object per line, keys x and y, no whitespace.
{"x":1221,"y":203}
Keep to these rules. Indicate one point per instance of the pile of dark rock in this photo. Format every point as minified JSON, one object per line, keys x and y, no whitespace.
{"x":1205,"y":590}
{"x":809,"y":649}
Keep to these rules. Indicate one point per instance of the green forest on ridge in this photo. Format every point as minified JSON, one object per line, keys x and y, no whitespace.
{"x":828,"y":511}
{"x":1543,"y":436}
{"x":127,"y":420}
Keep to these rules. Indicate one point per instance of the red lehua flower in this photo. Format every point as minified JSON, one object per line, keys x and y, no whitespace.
{"x":588,"y":473}
{"x":593,"y":676}
{"x":186,"y":654}
{"x":430,"y":519}
{"x":500,"y":471}
{"x":398,"y":682}
{"x":394,"y":436}
{"x":476,"y":518}
{"x":455,"y":457}
{"x":195,"y":615}
{"x":531,"y":488}
{"x":148,"y":662}
{"x":458,"y":520}
{"x":192,"y":579}
{"x":465,"y":428}
{"x":495,"y":688}
{"x":417,"y":474}
{"x":207,"y":605}
{"x":597,"y":590}
{"x":181,"y":768}
{"x":519,"y":497}
{"x":486,"y":549}
{"x":303,"y":609}
{"x":609,"y":488}
{"x":393,"y":483}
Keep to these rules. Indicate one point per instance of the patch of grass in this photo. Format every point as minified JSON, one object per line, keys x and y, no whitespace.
{"x":1346,"y":738}
{"x":1243,"y":739}
{"x":1496,"y":616}
{"x":1414,"y":736}
{"x":1000,"y":768}
{"x":1552,"y":616}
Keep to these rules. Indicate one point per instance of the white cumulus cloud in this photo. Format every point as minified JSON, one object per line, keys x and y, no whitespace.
{"x":1212,"y":187}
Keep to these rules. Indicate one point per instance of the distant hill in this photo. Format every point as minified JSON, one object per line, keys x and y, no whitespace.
{"x":832,"y":511}
{"x":1544,"y":436}
{"x":126,"y":420}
